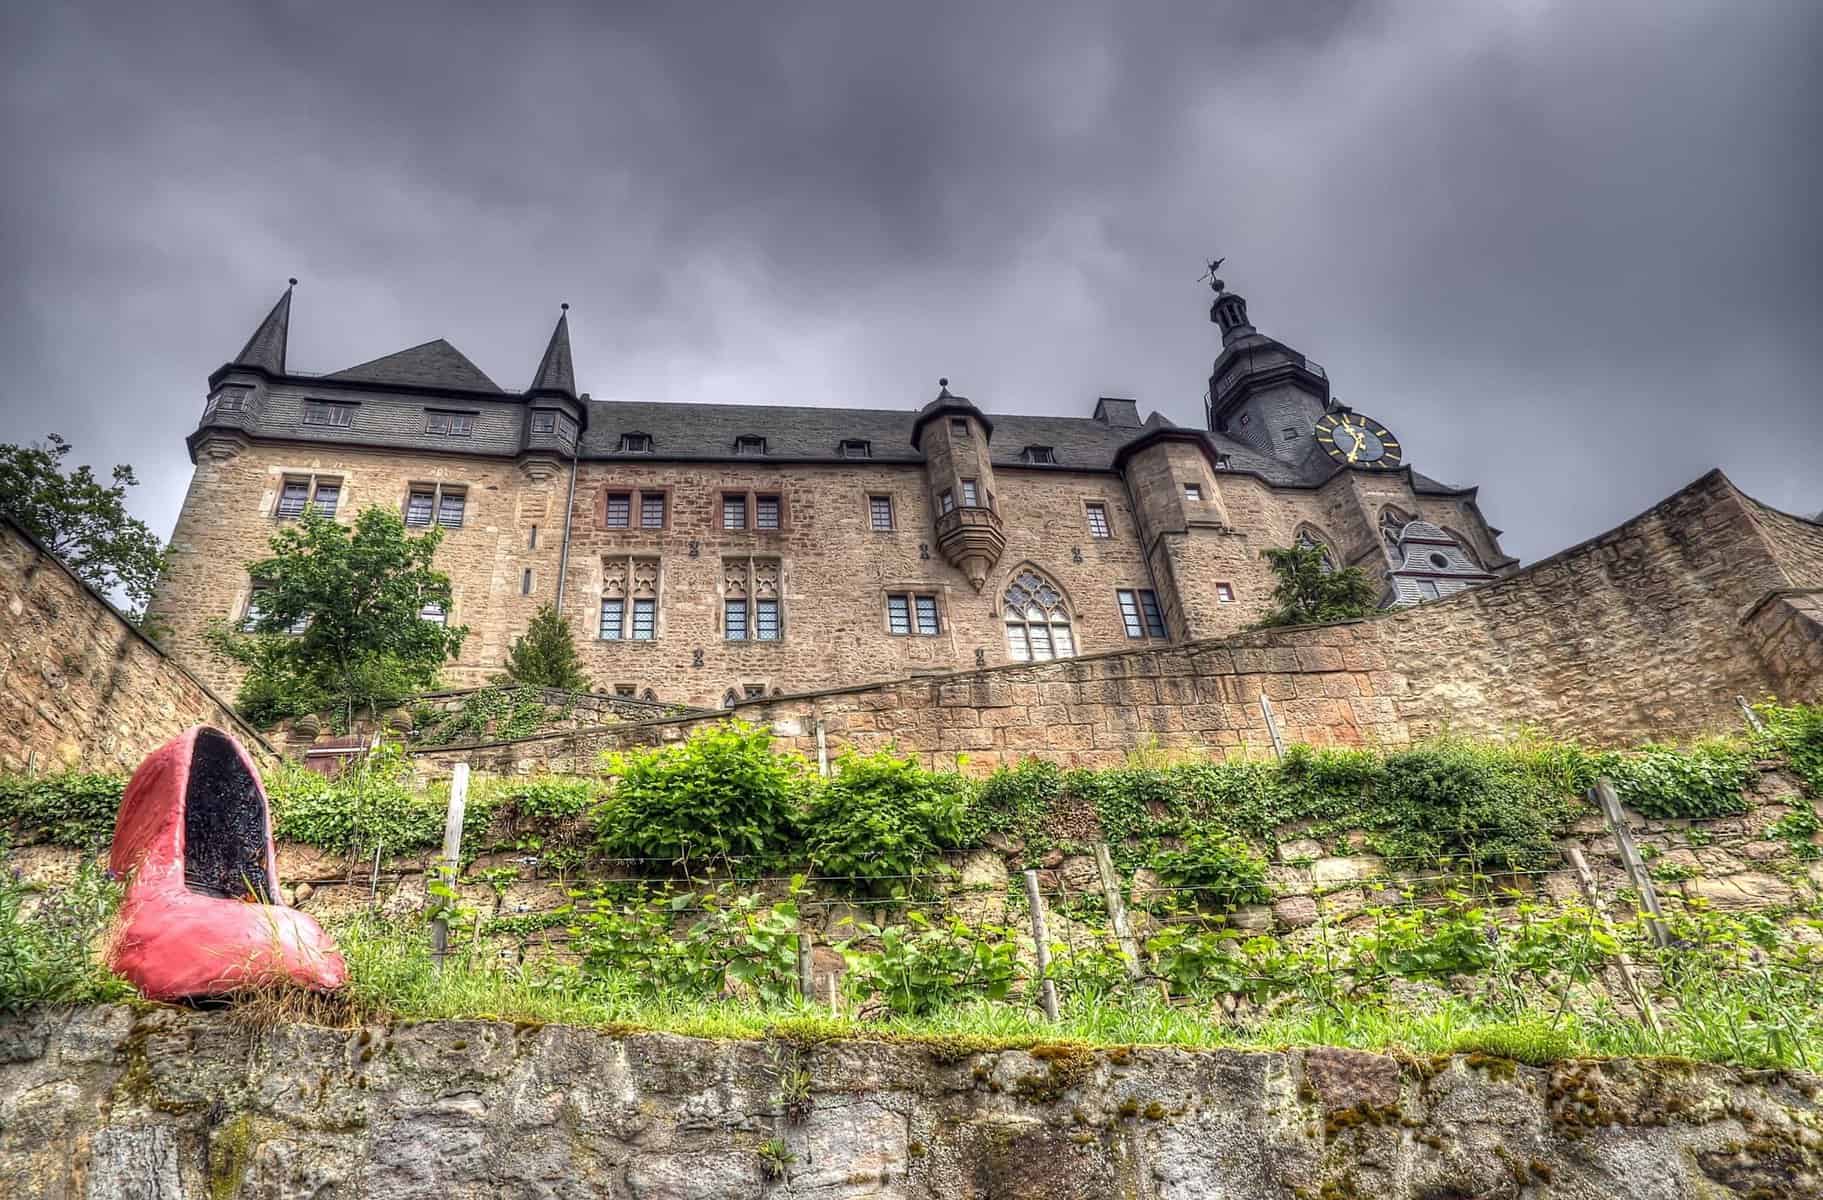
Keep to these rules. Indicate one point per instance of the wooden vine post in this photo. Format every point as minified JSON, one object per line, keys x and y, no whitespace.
{"x":1603,"y":794}
{"x":1272,"y":727}
{"x":450,"y":862}
{"x":1117,"y":912}
{"x":1047,"y":990}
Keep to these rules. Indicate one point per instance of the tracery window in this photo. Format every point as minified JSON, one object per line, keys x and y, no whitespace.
{"x":1037,"y":619}
{"x":751,"y":600}
{"x":1309,"y":541}
{"x":629,"y":587}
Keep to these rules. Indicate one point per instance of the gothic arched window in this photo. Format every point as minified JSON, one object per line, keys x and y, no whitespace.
{"x":1392,"y":525}
{"x":730,"y":698}
{"x":1307,"y":540}
{"x":1037,"y":619}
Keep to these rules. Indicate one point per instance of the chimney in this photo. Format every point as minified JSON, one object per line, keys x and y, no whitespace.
{"x":1118,"y":413}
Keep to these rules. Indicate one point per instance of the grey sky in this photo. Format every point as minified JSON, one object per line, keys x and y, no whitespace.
{"x":1568,"y":251}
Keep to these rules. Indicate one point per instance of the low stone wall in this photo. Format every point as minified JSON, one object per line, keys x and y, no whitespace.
{"x":1648,"y":632}
{"x":106,"y":1104}
{"x":80,"y":687}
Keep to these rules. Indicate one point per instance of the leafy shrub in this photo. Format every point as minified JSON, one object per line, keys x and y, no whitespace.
{"x":880,"y":817}
{"x":1496,"y":808}
{"x":75,"y":810}
{"x":1016,"y":801}
{"x":1222,"y":870}
{"x":1796,"y":733}
{"x":547,"y":798}
{"x":721,"y":794}
{"x":737,"y":941}
{"x":1704,"y":780}
{"x":51,"y":956}
{"x":922,"y":966}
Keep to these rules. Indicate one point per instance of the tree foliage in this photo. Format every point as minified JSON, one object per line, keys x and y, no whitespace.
{"x":546,"y":656}
{"x":1309,"y":590}
{"x":82,"y":521}
{"x":355,"y":595}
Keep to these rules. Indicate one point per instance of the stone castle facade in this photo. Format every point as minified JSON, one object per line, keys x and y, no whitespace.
{"x":706,"y":554}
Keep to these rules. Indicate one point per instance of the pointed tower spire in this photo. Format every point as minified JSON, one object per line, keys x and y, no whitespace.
{"x":555,"y":371}
{"x":265,"y":350}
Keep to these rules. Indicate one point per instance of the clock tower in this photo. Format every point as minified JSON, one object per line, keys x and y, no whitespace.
{"x":1261,"y":391}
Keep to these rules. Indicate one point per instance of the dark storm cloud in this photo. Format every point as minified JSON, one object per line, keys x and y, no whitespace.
{"x":1568,"y":250}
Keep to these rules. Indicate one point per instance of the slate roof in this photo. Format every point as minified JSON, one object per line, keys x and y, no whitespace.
{"x":556,"y":373}
{"x":706,"y":433}
{"x":434,"y":364}
{"x":265,"y":350}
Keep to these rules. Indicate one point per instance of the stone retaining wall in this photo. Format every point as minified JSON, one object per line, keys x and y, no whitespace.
{"x":80,"y":687}
{"x":106,"y":1104}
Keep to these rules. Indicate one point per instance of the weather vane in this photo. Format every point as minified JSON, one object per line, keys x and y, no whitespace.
{"x":1215,"y":283}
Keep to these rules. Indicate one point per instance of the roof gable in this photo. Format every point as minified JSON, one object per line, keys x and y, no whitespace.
{"x":433,"y":364}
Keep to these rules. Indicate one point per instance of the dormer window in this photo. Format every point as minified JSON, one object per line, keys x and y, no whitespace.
{"x":1223,"y":462}
{"x":327,"y":412}
{"x":857,"y":448}
{"x":544,"y":421}
{"x":449,"y":424}
{"x":636,"y":443}
{"x":748,"y":444}
{"x":1038,"y":456}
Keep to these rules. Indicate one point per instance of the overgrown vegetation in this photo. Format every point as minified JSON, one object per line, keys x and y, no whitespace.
{"x":496,"y":713}
{"x":50,"y":942}
{"x":370,"y":807}
{"x":72,"y":809}
{"x":341,"y":622}
{"x":881,"y":820}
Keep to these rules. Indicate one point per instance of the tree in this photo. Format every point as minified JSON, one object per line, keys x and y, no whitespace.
{"x":546,"y":656}
{"x":1309,"y":590}
{"x":81,"y":521}
{"x":339,"y":622}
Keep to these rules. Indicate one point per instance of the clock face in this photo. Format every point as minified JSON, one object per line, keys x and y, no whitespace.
{"x":1357,"y":441}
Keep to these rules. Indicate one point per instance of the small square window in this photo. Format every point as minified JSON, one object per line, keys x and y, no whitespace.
{"x":1193,"y":493}
{"x":433,"y":612}
{"x":1291,"y":433}
{"x":1224,"y":594}
{"x":880,"y":513}
{"x":857,"y":448}
{"x":765,"y":512}
{"x":626,"y":690}
{"x":229,"y":399}
{"x":544,"y":421}
{"x":749,"y":445}
{"x":325,"y":412}
{"x":636,"y":443}
{"x":734,"y":512}
{"x":1098,"y":521}
{"x":652,"y":510}
{"x":619,"y":512}
{"x":753,"y":691}
{"x":959,"y":426}
{"x":970,"y":499}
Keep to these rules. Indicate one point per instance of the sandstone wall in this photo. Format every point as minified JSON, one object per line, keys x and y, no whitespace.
{"x":79,"y":686}
{"x":105,"y":1104}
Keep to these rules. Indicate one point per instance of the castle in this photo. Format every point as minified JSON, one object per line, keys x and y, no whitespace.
{"x":707,"y":554}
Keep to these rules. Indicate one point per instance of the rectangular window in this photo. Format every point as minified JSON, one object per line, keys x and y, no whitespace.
{"x":525,"y":582}
{"x":626,"y":690}
{"x":959,"y":426}
{"x":531,"y":539}
{"x":1098,"y":521}
{"x":970,"y":497}
{"x":1193,"y":492}
{"x":256,"y":609}
{"x":325,"y":412}
{"x":753,"y":691}
{"x":765,"y":512}
{"x":946,"y":503}
{"x":855,"y":448}
{"x":293,"y":496}
{"x":613,"y":612}
{"x":927,"y":615}
{"x":1224,"y":594}
{"x":652,"y":510}
{"x":766,"y":620}
{"x":433,"y":613}
{"x":229,"y":399}
{"x":645,"y":620}
{"x":448,"y":424}
{"x":449,"y":508}
{"x":636,"y":443}
{"x":898,"y":615}
{"x":1291,"y":433}
{"x":620,"y":510}
{"x":734,"y":620}
{"x":734,"y":512}
{"x":327,"y":496}
{"x":745,"y":446}
{"x":566,"y":426}
{"x":420,"y":506}
{"x":1427,"y":588}
{"x":544,"y":421}
{"x":880,"y":512}
{"x":1140,"y":613}
{"x":1042,"y":456}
